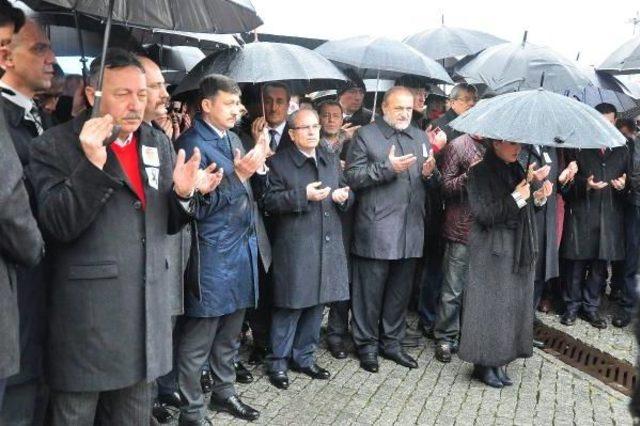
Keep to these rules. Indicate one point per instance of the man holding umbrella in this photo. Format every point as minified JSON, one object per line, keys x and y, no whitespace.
{"x":463,"y":96}
{"x":108,"y":210}
{"x":389,"y":168}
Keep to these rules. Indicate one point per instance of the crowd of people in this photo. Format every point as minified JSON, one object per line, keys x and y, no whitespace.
{"x":144,"y":239}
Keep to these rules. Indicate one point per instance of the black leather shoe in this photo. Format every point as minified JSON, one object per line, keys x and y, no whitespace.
{"x":279,"y":379}
{"x":501,"y":374}
{"x":568,"y":318}
{"x":401,"y":358}
{"x":595,"y":319}
{"x":621,"y":319}
{"x":487,"y":376}
{"x":167,"y":407}
{"x":338,"y":350}
{"x":206,"y":381}
{"x":315,"y":372}
{"x":443,"y":352}
{"x":258,"y":354}
{"x":242,"y":374}
{"x":234,"y":406}
{"x":369,"y":362}
{"x":538,"y":344}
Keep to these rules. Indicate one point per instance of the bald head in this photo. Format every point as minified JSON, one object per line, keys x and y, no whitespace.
{"x":157,"y":95}
{"x":28,"y":60}
{"x":397,"y":107}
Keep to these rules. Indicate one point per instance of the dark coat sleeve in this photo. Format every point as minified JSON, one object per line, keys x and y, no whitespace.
{"x":488,"y":206}
{"x":362,"y":173}
{"x":280,"y":198}
{"x":20,"y":238}
{"x":69,"y":197}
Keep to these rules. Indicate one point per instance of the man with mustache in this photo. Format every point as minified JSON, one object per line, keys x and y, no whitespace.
{"x":108,"y":209}
{"x":28,"y":63}
{"x":389,"y":166}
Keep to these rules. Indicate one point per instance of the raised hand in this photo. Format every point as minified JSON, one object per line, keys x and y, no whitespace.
{"x":316,"y":193}
{"x":620,"y":182}
{"x":538,"y":174}
{"x":428,"y":166}
{"x":92,"y":136}
{"x":401,"y":163}
{"x":591,"y":184}
{"x":186,"y":173}
{"x":544,"y":192}
{"x":524,"y":189}
{"x":340,"y":195}
{"x":569,"y":173}
{"x":209,"y":179}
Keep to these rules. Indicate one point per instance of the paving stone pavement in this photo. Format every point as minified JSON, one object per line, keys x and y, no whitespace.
{"x":545,"y":392}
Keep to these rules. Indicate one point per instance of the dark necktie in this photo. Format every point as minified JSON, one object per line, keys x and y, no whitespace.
{"x":34,"y":116}
{"x":225,"y":145}
{"x":273,"y":144}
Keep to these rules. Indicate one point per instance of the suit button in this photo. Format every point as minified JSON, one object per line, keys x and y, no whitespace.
{"x":137,"y":205}
{"x":327,"y":238}
{"x":110,"y":191}
{"x":326,"y":214}
{"x":143,"y":240}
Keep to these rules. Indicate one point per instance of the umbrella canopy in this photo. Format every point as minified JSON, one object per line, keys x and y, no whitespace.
{"x":449,"y":42}
{"x":539,"y":117}
{"x":205,"y":41}
{"x":623,"y":95}
{"x":178,"y":60}
{"x":625,"y":59}
{"x":262,"y":62}
{"x":510,"y":67}
{"x":381,"y":57}
{"x":212,"y":16}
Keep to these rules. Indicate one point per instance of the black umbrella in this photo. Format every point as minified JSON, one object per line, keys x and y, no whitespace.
{"x":624,"y":60}
{"x":304,"y":70}
{"x":450,"y":42}
{"x":175,"y":62}
{"x":510,"y":67}
{"x":218,"y":16}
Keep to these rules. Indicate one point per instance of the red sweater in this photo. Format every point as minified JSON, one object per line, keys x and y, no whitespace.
{"x":130,"y":162}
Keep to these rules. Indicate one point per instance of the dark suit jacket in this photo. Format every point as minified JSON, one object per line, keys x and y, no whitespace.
{"x":390,"y":212}
{"x":110,"y":317}
{"x":20,"y":244}
{"x":31,"y":281}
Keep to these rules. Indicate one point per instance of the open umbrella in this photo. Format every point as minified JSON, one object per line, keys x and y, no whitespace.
{"x":449,"y":42}
{"x":539,"y":117}
{"x":177,"y":60}
{"x":217,"y":16}
{"x":261,"y":62}
{"x":382,"y":58}
{"x":510,"y":67}
{"x":622,"y":94}
{"x":624,"y":60}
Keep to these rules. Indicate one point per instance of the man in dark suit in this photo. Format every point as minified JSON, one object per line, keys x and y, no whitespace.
{"x":108,"y":209}
{"x":275,"y":99}
{"x":351,"y":99}
{"x":20,"y":240}
{"x":304,"y":197}
{"x":28,"y":63}
{"x":463,"y":96}
{"x":389,"y":167}
{"x":228,"y":246}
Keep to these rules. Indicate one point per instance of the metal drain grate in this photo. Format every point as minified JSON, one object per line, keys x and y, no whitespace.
{"x":612,"y":371}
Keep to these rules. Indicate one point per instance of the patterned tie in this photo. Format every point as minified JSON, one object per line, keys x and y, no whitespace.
{"x":225,"y":145}
{"x":273,"y":144}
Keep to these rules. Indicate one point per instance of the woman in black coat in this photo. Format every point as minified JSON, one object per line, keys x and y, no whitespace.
{"x":498,"y":314}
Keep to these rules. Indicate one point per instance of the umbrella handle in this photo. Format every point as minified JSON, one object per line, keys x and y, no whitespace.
{"x":375,"y":97}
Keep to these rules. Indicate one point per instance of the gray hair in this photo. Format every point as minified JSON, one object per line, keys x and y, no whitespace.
{"x":462,"y":87}
{"x":291,"y":120}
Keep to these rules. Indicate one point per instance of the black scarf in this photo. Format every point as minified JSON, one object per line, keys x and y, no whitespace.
{"x":526,"y":244}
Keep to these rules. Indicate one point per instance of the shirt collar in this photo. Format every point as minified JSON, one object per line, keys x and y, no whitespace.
{"x":221,"y":133}
{"x":16,"y":97}
{"x":279,"y":128}
{"x":122,"y":143}
{"x":308,"y":155}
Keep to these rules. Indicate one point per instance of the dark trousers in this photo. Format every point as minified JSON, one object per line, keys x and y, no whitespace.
{"x":381,"y":292}
{"x":295,"y":334}
{"x":168,"y":383}
{"x":632,"y":249}
{"x":128,"y":406}
{"x":259,"y":319}
{"x":25,"y":404}
{"x":430,"y":287}
{"x":585,"y":295}
{"x":456,"y":275}
{"x":3,"y":385}
{"x":338,"y":322}
{"x":200,"y":339}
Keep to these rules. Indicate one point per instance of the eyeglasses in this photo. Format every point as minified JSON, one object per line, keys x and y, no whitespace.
{"x":466,"y":99}
{"x":309,"y":127}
